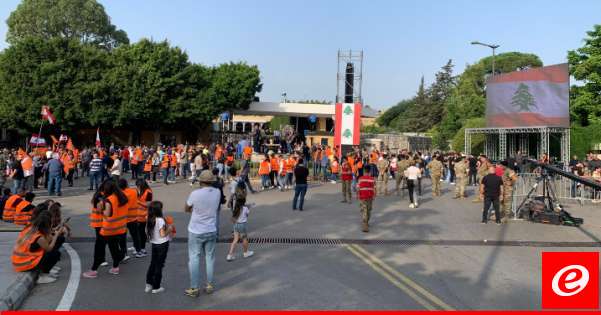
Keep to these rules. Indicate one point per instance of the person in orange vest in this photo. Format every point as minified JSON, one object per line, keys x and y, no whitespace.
{"x":37,"y":248}
{"x":229,"y":163}
{"x":172,"y":165}
{"x":135,"y":162}
{"x":114,"y":223}
{"x":274,"y":159}
{"x":24,"y":209}
{"x":144,"y":200}
{"x":100,"y":242}
{"x":264,"y":170}
{"x":282,"y":172}
{"x":334,"y":170}
{"x":366,"y":194}
{"x":248,"y":150}
{"x":10,"y":207}
{"x":147,"y":167}
{"x":6,"y":193}
{"x":373,"y":161}
{"x":290,"y":165}
{"x":346,"y":175}
{"x":69,"y":167}
{"x":132,"y":216}
{"x":165,"y":168}
{"x":28,"y":171}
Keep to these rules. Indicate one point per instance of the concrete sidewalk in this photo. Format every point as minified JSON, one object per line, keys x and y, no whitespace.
{"x":14,"y":287}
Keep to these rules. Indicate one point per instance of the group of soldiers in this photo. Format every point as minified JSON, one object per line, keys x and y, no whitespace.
{"x":393,"y":167}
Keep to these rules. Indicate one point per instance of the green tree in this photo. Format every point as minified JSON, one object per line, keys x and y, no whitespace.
{"x":585,"y":66}
{"x":81,"y":20}
{"x":390,"y":114}
{"x":522,"y":99}
{"x":62,"y":73}
{"x":477,"y":140}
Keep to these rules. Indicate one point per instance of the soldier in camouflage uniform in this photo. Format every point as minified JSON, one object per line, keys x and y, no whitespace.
{"x":483,"y":166}
{"x":461,"y":169}
{"x":366,"y":192}
{"x":383,"y":168}
{"x":435,"y":167}
{"x":402,"y":165}
{"x":509,"y":179}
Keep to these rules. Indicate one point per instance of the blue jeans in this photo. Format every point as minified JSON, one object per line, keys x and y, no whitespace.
{"x":16,"y":185}
{"x":54,"y":184}
{"x":198,"y":245}
{"x":94,"y":180}
{"x":299,"y":189}
{"x":265,"y":181}
{"x":165,"y":175}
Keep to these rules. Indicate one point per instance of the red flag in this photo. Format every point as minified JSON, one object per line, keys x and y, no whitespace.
{"x":47,"y":114}
{"x":98,"y":137}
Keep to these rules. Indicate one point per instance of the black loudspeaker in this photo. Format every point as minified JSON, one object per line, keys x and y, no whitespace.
{"x":348,"y":83}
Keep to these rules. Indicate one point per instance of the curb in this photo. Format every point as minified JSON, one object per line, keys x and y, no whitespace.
{"x":16,"y":293}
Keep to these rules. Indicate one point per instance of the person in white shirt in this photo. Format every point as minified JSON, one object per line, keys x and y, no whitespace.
{"x":159,"y":233}
{"x":203,"y":204}
{"x":116,"y":168}
{"x":240,"y":219}
{"x":413,"y":173}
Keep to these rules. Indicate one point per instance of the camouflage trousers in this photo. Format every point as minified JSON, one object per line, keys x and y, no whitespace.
{"x":399,"y":178}
{"x":365,"y":206}
{"x":460,"y":183}
{"x":382,"y":183}
{"x":346,"y":191}
{"x":435,"y":184}
{"x":507,"y":200}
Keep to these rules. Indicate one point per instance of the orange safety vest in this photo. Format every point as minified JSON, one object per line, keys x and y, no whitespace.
{"x":165,"y":161}
{"x":148,"y":165}
{"x":169,"y":220}
{"x":334,"y":167}
{"x":143,"y":206}
{"x":373,"y":158}
{"x":132,"y":204}
{"x":23,"y":217}
{"x":328,"y":152}
{"x":275,"y":164}
{"x":173,"y":161}
{"x":10,"y":207}
{"x":264,"y":168}
{"x":117,"y":223}
{"x":290,"y":165}
{"x":247,"y":152}
{"x":95,"y":218}
{"x":27,"y":164}
{"x":23,"y":258}
{"x":68,"y":164}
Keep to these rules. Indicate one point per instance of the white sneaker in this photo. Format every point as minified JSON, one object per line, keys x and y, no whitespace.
{"x":191,"y":185}
{"x":57,"y":268}
{"x":125,"y":259}
{"x":416,"y":205}
{"x":147,"y":288}
{"x":248,"y":254}
{"x":104,"y":264}
{"x":132,"y":249}
{"x":411,"y":205}
{"x":159,"y":290}
{"x":45,"y":278}
{"x":229,"y":258}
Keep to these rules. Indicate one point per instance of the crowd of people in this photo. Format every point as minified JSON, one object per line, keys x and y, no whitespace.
{"x":223,"y":174}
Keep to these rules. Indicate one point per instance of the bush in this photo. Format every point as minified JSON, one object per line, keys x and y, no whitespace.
{"x":583,"y":139}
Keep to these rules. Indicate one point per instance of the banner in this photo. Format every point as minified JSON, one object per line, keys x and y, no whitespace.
{"x":536,"y":97}
{"x":37,"y":141}
{"x":348,"y":124}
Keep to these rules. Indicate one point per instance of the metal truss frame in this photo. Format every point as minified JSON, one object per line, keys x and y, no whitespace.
{"x":502,"y":142}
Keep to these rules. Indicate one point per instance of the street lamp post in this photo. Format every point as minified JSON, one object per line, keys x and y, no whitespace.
{"x":493,"y":47}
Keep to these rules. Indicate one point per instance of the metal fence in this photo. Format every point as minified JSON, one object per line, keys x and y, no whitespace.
{"x":566,"y":190}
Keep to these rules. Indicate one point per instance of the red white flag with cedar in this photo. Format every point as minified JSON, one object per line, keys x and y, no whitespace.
{"x":98,"y":137}
{"x":47,"y":114}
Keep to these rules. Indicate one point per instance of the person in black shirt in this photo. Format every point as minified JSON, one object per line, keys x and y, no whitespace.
{"x":491,"y":191}
{"x":473,"y":170}
{"x":300,"y":174}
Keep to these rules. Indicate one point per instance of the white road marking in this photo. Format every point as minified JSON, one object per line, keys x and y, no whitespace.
{"x":73,"y":284}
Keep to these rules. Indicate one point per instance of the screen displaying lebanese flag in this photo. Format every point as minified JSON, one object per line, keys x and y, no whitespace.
{"x":348,"y":124}
{"x":536,"y":97}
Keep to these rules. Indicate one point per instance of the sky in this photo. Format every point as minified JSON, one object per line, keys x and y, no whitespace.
{"x":295,"y":43}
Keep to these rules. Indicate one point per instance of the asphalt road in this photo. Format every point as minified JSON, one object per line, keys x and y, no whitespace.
{"x":436,"y":258}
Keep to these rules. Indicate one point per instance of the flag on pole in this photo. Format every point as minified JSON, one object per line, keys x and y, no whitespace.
{"x":63,"y":138}
{"x":98,"y":137}
{"x":47,"y":114}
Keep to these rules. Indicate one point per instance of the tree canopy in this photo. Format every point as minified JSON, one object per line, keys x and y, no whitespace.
{"x":60,"y":58}
{"x":585,"y":66}
{"x":82,"y":20}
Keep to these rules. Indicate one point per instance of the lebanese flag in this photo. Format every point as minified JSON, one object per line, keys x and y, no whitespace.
{"x":47,"y":114}
{"x":347,"y":124}
{"x":98,"y":138}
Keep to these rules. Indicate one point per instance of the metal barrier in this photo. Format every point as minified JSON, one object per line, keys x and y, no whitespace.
{"x":566,"y":190}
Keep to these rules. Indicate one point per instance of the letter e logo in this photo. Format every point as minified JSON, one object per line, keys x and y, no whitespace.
{"x":570,"y":280}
